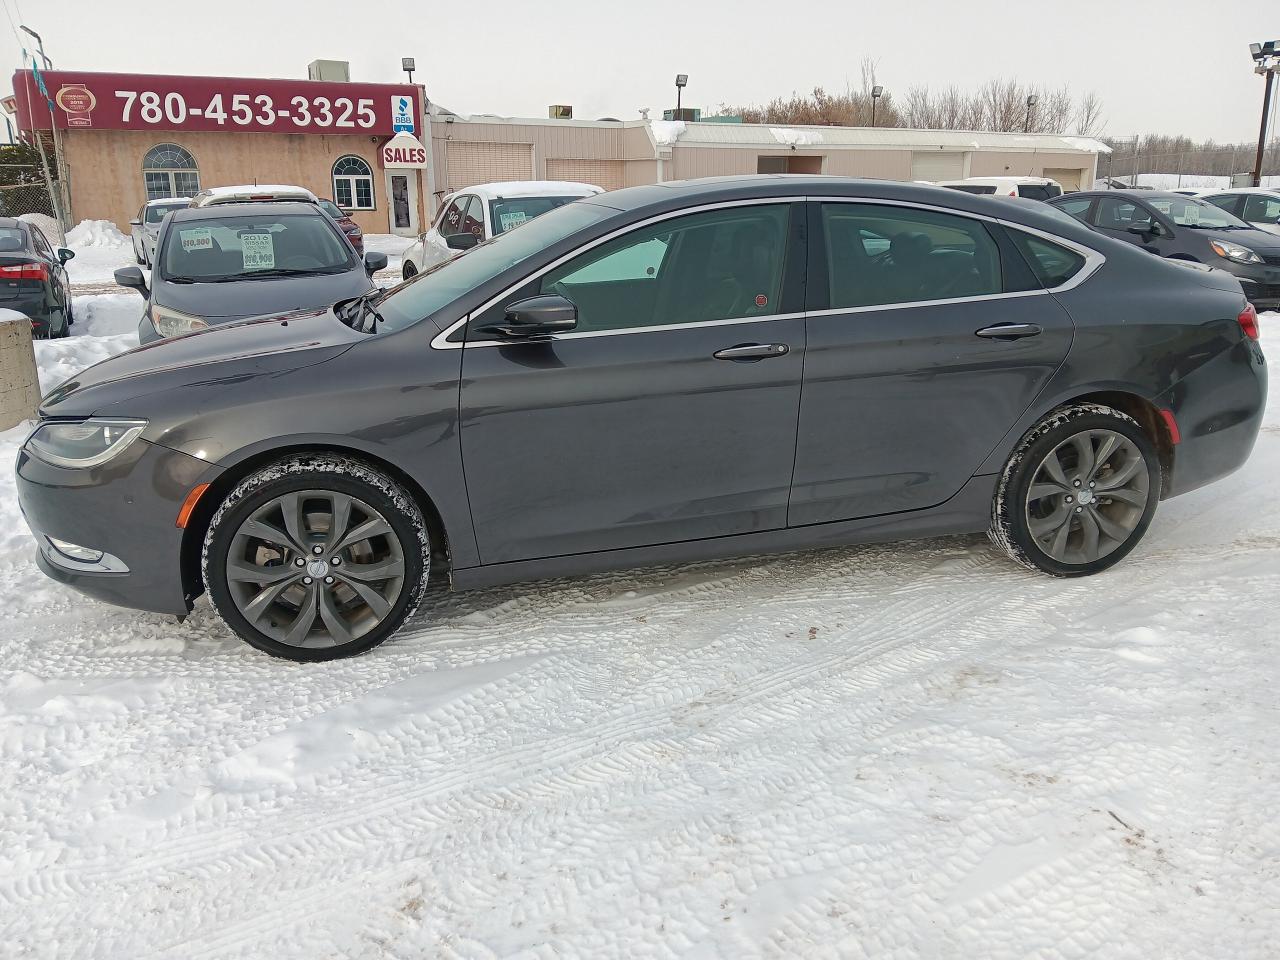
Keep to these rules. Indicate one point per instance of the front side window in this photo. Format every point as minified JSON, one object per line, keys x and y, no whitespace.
{"x":719,"y":265}
{"x":451,"y":219}
{"x":248,"y":245}
{"x":473,"y":219}
{"x":883,"y":255}
{"x":1260,"y":208}
{"x":353,"y":183}
{"x":1115,"y":213}
{"x":169,"y":170}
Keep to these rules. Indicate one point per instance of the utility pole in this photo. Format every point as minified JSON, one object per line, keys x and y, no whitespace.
{"x":59,"y":207}
{"x":1266,"y":57}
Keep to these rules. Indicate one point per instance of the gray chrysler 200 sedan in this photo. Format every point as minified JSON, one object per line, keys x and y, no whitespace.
{"x":665,"y":373}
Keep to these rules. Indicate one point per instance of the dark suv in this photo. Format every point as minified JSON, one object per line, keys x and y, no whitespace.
{"x":665,"y":373}
{"x":1185,"y":228}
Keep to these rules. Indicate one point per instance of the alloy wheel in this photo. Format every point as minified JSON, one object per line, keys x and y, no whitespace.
{"x":315,"y":568}
{"x":1087,"y":496}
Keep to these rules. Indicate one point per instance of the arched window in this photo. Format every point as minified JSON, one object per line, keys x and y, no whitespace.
{"x":352,"y":184}
{"x":170,"y":171}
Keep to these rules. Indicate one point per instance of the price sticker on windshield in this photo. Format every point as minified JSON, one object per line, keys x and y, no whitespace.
{"x":1191,"y":215}
{"x":258,"y":250}
{"x":513,"y":219}
{"x":197,"y":238}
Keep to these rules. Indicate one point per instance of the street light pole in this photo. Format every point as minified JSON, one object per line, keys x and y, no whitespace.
{"x":1266,"y":58}
{"x":60,"y":213}
{"x":1031,"y":103}
{"x":876,"y":92}
{"x":681,"y":80}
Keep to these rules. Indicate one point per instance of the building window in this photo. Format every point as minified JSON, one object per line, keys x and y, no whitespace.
{"x":352,"y":184}
{"x":170,"y":171}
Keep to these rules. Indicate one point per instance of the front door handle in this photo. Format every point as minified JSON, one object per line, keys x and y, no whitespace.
{"x":1010,"y":331}
{"x":752,"y":351}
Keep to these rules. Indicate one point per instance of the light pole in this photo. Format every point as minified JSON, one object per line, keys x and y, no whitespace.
{"x":682,"y":80}
{"x":56,"y":200}
{"x":1266,"y":58}
{"x":876,"y":92}
{"x":1031,"y":105}
{"x":408,"y":65}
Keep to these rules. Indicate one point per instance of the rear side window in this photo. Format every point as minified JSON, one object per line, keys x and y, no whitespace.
{"x":1052,"y":263}
{"x":882,"y":255}
{"x":718,"y":265}
{"x":1078,"y":208}
{"x":979,"y":188}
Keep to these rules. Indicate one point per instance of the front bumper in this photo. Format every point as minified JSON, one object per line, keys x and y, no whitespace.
{"x":128,"y":508}
{"x":1219,"y":410}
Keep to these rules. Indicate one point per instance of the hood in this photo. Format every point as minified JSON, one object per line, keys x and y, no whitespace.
{"x":1259,"y":241}
{"x":238,"y":299}
{"x":228,"y":352}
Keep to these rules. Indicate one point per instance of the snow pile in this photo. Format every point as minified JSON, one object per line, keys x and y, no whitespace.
{"x":795,"y":138}
{"x":1174,"y":181}
{"x":96,"y":233}
{"x":666,"y":132}
{"x":100,"y":250}
{"x":910,"y":750}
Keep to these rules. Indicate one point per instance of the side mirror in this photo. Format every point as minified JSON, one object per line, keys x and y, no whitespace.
{"x":537,"y":317}
{"x":135,"y":223}
{"x":461,"y":241}
{"x":64,"y":254}
{"x":1142,"y":229}
{"x":373,"y":262}
{"x":132,"y":278}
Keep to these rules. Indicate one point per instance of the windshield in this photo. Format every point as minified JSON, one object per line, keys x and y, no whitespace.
{"x":507,"y":213}
{"x":156,"y":214}
{"x":253,"y":245}
{"x":442,"y":284}
{"x":1191,"y":212}
{"x":1039,"y":191}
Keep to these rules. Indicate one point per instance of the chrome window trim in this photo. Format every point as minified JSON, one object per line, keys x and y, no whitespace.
{"x":1093,"y":261}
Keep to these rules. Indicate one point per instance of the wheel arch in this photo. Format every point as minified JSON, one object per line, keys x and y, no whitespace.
{"x":198,"y":524}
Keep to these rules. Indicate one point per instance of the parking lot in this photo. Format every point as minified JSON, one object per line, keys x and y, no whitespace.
{"x":903,"y":750}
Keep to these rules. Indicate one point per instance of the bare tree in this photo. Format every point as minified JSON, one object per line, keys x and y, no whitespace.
{"x":1089,"y":116}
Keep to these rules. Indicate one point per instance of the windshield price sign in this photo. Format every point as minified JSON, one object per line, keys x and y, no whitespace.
{"x":119,"y":101}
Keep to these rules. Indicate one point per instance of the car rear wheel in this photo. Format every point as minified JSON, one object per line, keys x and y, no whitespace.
{"x":408,"y":270}
{"x":316,"y":557}
{"x":1078,"y":493}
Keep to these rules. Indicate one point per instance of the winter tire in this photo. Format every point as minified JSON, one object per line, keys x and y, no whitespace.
{"x":408,"y":271}
{"x":316,"y":557}
{"x":1078,"y":493}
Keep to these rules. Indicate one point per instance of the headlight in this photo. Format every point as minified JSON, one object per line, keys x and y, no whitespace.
{"x":1235,"y":252}
{"x":83,"y":444}
{"x":170,"y":323}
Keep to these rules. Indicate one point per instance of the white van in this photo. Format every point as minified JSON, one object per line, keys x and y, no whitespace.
{"x":1033,"y":188}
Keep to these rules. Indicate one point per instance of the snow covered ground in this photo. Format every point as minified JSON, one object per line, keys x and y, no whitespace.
{"x":911,"y":751}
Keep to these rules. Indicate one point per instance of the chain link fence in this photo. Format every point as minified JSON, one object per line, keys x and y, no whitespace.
{"x":25,"y":190}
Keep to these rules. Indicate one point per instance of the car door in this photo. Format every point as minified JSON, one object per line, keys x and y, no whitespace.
{"x":1262,"y":210}
{"x":1121,"y":218}
{"x":435,"y":249}
{"x":668,"y":414}
{"x":920,"y":355}
{"x":57,"y":293}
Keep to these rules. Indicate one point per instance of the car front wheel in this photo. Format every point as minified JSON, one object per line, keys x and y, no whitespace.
{"x":1078,"y":493}
{"x":316,"y":557}
{"x":408,"y":270}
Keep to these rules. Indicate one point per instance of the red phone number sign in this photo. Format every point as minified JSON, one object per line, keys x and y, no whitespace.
{"x":128,"y":101}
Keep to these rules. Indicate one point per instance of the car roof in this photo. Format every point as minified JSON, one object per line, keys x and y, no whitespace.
{"x":9,"y":223}
{"x":1220,"y":190}
{"x":249,"y":207}
{"x":531,"y":188}
{"x":999,"y":180}
{"x":164,"y":201}
{"x":1126,"y":195}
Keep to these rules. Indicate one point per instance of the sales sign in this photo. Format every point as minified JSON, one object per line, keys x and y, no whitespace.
{"x":127,"y":101}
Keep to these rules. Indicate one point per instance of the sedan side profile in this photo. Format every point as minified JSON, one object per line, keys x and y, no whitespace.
{"x":665,"y":373}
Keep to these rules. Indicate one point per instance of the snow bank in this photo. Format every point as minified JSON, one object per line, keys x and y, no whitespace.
{"x":795,"y":138}
{"x":1173,"y":181}
{"x":96,"y":233}
{"x":666,"y":132}
{"x":100,"y":250}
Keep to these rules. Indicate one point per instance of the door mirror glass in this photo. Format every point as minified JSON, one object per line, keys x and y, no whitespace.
{"x":461,"y":241}
{"x":135,"y":223}
{"x":536,"y":317}
{"x":1142,"y":229}
{"x":64,"y":254}
{"x":132,"y":278}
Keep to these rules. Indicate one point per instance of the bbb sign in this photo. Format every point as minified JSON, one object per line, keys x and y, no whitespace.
{"x":402,"y":114}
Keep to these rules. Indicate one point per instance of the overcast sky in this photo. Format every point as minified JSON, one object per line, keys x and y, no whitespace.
{"x":1160,"y":66}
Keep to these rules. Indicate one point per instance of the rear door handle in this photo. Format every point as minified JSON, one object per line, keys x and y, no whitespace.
{"x":752,"y":351}
{"x":1010,"y":331}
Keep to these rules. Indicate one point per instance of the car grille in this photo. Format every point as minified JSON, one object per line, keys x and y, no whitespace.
{"x":1265,"y":292}
{"x":1274,"y":261}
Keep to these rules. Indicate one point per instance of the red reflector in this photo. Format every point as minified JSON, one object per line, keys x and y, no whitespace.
{"x":189,"y":504}
{"x":24,"y":271}
{"x":1175,"y":435}
{"x":1248,"y":320}
{"x":262,"y":196}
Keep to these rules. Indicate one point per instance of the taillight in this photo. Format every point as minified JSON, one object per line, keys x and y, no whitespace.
{"x":1248,"y":321}
{"x":25,"y":271}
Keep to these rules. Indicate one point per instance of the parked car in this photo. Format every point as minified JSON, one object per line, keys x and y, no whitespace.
{"x":229,"y":261}
{"x":33,"y":278}
{"x":146,"y":226}
{"x":538,"y":407}
{"x":1033,"y":188}
{"x":348,"y":226}
{"x":1185,"y":228}
{"x":1257,"y":206}
{"x":487,"y":210}
{"x":253,"y":193}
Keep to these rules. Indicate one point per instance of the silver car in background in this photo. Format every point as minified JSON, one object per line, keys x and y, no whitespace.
{"x":146,"y":226}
